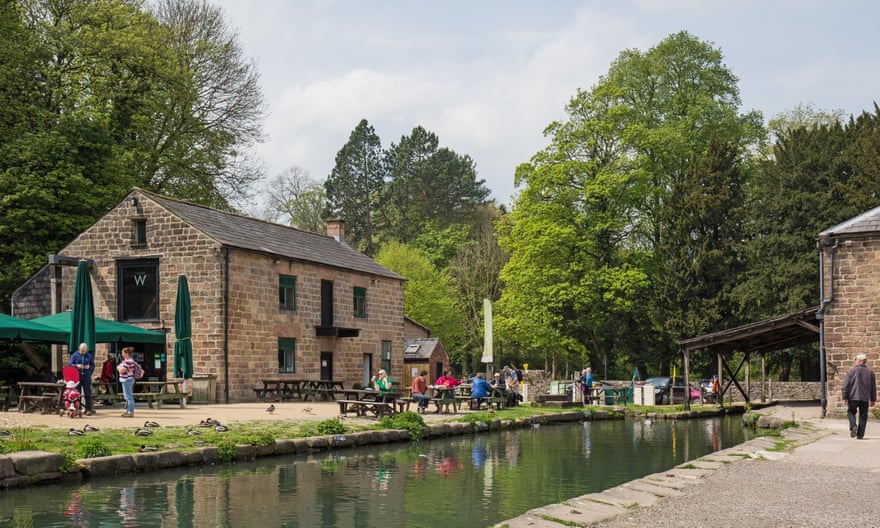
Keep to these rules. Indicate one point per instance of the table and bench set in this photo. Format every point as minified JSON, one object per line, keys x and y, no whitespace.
{"x":47,"y":397}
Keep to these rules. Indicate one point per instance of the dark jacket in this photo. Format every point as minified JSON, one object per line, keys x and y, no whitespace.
{"x":860,"y":384}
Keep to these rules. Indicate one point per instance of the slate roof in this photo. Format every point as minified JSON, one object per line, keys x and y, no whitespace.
{"x":243,"y":232}
{"x":423,"y":352}
{"x":867,"y":222}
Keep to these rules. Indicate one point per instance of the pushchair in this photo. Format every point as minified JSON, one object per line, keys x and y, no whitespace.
{"x":71,"y":401}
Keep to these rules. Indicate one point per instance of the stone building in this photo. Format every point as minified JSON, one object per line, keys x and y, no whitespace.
{"x":267,"y":300}
{"x":850,"y":276}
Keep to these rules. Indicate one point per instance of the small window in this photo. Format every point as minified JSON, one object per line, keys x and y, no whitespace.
{"x":140,"y":232}
{"x":287,"y":292}
{"x":360,"y":302}
{"x":386,"y":356}
{"x":286,"y":355}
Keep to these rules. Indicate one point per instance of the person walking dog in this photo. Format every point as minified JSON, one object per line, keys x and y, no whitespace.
{"x":859,"y":391}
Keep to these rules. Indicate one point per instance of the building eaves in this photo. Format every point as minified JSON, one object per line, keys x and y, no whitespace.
{"x":243,"y":232}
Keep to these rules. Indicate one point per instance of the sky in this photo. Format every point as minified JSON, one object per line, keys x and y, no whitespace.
{"x":488,"y":76}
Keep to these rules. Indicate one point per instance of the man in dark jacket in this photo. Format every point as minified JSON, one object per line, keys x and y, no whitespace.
{"x":859,"y":388}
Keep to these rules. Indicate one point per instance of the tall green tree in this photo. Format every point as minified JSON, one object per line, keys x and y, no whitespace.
{"x":355,"y":185}
{"x":429,"y":187}
{"x":100,"y":96}
{"x":590,"y":237}
{"x":428,"y":296}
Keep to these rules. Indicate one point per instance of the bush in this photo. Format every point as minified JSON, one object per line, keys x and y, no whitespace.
{"x":92,"y":448}
{"x":262,"y":438}
{"x":412,"y":422}
{"x":69,"y":462}
{"x":330,"y":427}
{"x":19,"y":441}
{"x":227,"y":450}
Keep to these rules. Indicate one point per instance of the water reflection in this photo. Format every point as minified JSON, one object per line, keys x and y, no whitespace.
{"x":466,"y":481}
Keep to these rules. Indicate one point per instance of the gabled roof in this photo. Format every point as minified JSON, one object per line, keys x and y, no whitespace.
{"x":243,"y":232}
{"x":867,"y":222}
{"x":419,"y":349}
{"x":780,"y":332}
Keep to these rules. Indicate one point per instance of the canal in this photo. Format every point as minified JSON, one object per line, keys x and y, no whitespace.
{"x":462,"y":481}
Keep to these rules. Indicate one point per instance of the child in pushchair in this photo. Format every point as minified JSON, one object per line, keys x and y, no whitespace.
{"x":72,"y":400}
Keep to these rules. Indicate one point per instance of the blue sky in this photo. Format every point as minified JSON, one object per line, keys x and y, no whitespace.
{"x":487,"y":76}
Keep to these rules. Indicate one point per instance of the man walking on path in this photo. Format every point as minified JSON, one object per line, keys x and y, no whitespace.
{"x":859,"y":388}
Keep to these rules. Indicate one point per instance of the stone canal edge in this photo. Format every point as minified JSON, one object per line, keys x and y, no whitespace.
{"x":593,"y":508}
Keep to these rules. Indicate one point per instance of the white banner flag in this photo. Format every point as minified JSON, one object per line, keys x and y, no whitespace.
{"x":487,"y":331}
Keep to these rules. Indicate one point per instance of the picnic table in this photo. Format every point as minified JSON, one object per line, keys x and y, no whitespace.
{"x":42,"y":395}
{"x":278,"y":389}
{"x":8,"y":393}
{"x":160,"y":391}
{"x":377,"y":403}
{"x":445,"y":397}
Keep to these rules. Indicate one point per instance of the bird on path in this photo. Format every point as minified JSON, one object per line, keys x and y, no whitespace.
{"x":75,"y":432}
{"x":270,"y":409}
{"x":90,"y":428}
{"x":148,"y":449}
{"x":143,"y":432}
{"x":149,"y":423}
{"x":307,"y":410}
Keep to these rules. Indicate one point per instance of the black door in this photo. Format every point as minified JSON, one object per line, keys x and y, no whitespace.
{"x":327,"y":366}
{"x":326,"y":303}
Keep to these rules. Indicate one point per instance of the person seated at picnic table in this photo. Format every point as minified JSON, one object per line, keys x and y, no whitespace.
{"x":479,"y":391}
{"x":420,"y":390}
{"x":383,"y":383}
{"x":446,"y":380}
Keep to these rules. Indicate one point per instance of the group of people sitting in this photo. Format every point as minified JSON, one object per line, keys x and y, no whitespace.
{"x":505,"y":383}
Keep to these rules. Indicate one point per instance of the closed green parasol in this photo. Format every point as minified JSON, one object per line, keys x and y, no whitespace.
{"x":82,"y":329}
{"x":183,"y":360}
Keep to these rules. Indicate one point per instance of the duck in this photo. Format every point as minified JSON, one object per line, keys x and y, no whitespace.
{"x":307,"y":410}
{"x":5,"y":433}
{"x":149,"y":423}
{"x":221,"y":428}
{"x":90,"y":428}
{"x":143,"y":432}
{"x":270,"y":409}
{"x":148,"y":449}
{"x":193,"y":432}
{"x":75,"y":432}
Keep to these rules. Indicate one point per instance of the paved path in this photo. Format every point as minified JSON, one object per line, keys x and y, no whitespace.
{"x":823,"y":478}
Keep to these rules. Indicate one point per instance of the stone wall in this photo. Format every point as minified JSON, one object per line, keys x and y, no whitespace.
{"x":851,"y":323}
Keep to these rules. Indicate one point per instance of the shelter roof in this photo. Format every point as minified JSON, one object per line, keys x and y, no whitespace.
{"x":780,"y":332}
{"x":243,"y":232}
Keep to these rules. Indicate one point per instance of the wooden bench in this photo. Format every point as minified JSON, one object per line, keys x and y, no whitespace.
{"x":362,"y":407}
{"x":445,"y":403}
{"x":8,"y":397}
{"x":402,"y":404}
{"x":47,"y":403}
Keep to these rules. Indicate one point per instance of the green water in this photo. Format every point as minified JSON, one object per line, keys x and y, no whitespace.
{"x":465,"y":481}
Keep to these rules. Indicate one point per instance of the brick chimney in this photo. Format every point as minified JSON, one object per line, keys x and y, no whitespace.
{"x":336,"y":229}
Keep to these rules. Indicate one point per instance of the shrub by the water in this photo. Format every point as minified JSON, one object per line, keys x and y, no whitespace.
{"x":412,"y":422}
{"x":92,"y":448}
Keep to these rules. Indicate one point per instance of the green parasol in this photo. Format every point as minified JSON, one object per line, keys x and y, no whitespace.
{"x":13,"y":329}
{"x":183,"y":361}
{"x":82,"y":330}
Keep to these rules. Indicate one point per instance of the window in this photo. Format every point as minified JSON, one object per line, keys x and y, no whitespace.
{"x":287,"y":292}
{"x":386,"y":356}
{"x":286,"y":355}
{"x":138,"y":290}
{"x":360,"y":302}
{"x":140,"y":232}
